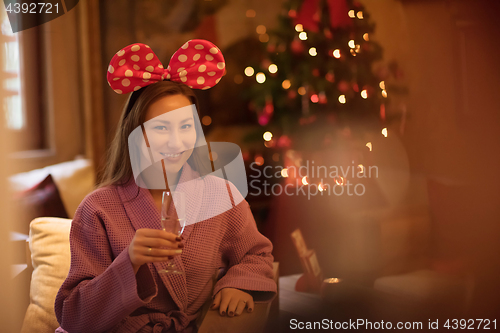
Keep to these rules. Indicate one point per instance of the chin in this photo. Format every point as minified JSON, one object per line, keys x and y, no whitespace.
{"x":174,"y":167}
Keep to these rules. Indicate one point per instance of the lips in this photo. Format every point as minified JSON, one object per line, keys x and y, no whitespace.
{"x":171,"y":155}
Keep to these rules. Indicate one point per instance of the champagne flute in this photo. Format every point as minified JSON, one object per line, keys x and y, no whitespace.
{"x":171,"y":224}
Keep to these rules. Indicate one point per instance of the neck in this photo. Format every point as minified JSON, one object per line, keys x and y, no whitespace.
{"x":173,"y":179}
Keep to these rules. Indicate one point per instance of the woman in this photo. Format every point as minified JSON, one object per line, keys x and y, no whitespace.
{"x":118,"y":247}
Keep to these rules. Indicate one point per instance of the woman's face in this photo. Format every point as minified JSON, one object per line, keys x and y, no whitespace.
{"x":170,"y":131}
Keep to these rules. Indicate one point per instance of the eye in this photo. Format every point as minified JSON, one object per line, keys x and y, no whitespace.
{"x":186,"y":126}
{"x":160,"y":128}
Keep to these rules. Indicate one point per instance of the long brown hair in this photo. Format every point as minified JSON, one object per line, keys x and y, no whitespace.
{"x":118,"y":169}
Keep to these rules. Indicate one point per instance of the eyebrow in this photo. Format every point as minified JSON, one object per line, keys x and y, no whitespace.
{"x":168,"y":122}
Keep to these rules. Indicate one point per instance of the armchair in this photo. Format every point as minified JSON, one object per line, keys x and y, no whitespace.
{"x":48,"y":259}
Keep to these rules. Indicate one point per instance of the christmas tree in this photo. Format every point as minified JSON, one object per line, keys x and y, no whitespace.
{"x":315,"y":77}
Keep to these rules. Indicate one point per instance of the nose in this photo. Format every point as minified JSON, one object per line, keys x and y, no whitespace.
{"x":174,"y":142}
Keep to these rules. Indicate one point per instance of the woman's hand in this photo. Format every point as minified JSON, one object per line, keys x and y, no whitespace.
{"x":153,"y":245}
{"x":232,"y":301}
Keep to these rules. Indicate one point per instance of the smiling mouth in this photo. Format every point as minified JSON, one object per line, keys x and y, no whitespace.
{"x":171,"y":155}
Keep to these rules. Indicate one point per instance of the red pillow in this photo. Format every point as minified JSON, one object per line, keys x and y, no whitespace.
{"x":42,"y":200}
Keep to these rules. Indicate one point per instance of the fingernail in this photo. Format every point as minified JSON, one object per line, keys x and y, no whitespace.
{"x":231,"y":313}
{"x":212,"y":306}
{"x":182,"y":238}
{"x":170,"y":257}
{"x":223,"y":313}
{"x":181,"y":245}
{"x":178,"y":251}
{"x":250,"y":310}
{"x":178,"y":238}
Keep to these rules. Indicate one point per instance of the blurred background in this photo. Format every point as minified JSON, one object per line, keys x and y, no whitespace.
{"x":405,"y":87}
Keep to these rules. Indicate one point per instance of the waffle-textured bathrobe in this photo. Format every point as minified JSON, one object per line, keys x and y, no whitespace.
{"x":101,"y":292}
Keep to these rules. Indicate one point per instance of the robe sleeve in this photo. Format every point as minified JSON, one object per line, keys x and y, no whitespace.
{"x":99,"y":292}
{"x":248,"y":253}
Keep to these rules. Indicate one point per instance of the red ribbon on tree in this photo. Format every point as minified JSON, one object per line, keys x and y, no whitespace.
{"x":309,"y":14}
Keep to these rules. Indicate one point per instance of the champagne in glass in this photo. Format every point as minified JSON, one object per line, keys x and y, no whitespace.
{"x":171,"y":224}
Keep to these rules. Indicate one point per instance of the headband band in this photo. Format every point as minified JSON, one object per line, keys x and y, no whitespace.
{"x":198,"y":63}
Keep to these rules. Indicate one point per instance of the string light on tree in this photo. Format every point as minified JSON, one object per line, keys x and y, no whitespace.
{"x":342,"y":99}
{"x":339,"y":180}
{"x":364,"y":93}
{"x":301,"y":91}
{"x":267,"y":136}
{"x":264,"y":38}
{"x":313,"y":52}
{"x":284,"y":173}
{"x":366,"y":37}
{"x":369,"y":145}
{"x":351,"y":44}
{"x":273,"y":68}
{"x":269,"y":144}
{"x":360,"y":15}
{"x":259,"y":160}
{"x":304,"y":180}
{"x":303,"y":35}
{"x":286,"y":84}
{"x":314,"y":98}
{"x":384,"y":93}
{"x":299,"y":27}
{"x":260,"y":77}
{"x":361,"y":169}
{"x":352,"y":14}
{"x":330,"y":77}
{"x":250,"y":13}
{"x":384,"y":132}
{"x":382,"y":85}
{"x":206,"y":120}
{"x":249,"y":71}
{"x":336,"y":53}
{"x":261,"y":29}
{"x":238,"y":79}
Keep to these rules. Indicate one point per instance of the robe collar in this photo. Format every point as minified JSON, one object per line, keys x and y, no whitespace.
{"x":142,"y":212}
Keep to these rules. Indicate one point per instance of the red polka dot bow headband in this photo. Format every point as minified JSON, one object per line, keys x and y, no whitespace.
{"x":198,"y":64}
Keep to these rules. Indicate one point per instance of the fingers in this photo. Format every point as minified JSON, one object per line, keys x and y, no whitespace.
{"x":225,"y":299}
{"x":158,"y":233}
{"x":241,"y":304}
{"x":250,"y":304}
{"x":231,"y":307}
{"x":155,"y":252}
{"x":216,"y":302}
{"x":232,"y":302}
{"x":158,"y":243}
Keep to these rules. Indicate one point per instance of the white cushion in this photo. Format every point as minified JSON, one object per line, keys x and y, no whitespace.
{"x":74,"y":180}
{"x":51,"y":258}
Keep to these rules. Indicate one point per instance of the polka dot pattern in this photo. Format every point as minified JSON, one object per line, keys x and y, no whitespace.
{"x":198,"y":63}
